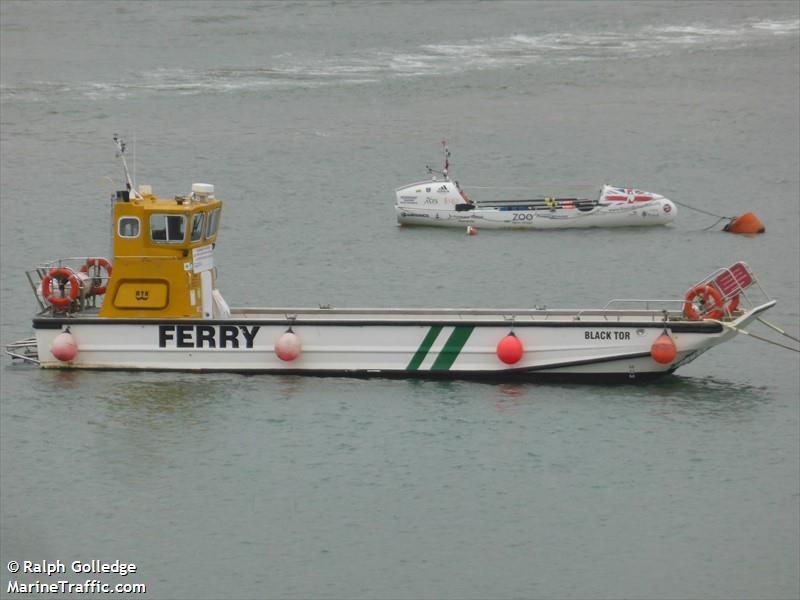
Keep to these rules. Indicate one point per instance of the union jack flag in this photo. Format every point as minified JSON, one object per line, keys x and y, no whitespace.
{"x":615,"y":194}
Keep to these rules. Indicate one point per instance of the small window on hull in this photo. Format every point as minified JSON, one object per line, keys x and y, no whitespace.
{"x":128,"y":227}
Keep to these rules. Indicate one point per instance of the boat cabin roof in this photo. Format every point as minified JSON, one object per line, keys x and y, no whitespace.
{"x":146,"y":223}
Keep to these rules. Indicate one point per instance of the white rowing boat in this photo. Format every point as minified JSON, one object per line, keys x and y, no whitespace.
{"x":441,"y":202}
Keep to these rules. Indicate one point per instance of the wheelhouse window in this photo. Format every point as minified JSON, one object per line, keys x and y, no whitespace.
{"x":170,"y":229}
{"x":213,"y":223}
{"x":197,"y":227}
{"x":128,"y":227}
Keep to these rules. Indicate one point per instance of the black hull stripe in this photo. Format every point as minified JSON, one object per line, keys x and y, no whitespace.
{"x":519,"y":374}
{"x":505,"y":376}
{"x":586,"y":361}
{"x":676,"y":326}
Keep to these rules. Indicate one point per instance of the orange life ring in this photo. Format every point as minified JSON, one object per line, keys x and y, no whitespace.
{"x":97,"y":263}
{"x":732,"y":305}
{"x":708,"y":298}
{"x":64,"y":275}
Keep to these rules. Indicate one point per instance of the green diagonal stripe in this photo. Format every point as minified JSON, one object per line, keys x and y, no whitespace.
{"x":452,"y":348}
{"x":424,"y":347}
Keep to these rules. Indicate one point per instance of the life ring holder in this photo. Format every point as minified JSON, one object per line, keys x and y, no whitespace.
{"x":710,"y":299}
{"x":97,"y":263}
{"x":63,"y":274}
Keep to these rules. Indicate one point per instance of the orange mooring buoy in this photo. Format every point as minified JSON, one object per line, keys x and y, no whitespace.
{"x":746,"y":223}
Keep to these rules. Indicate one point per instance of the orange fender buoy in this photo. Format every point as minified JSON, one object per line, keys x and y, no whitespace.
{"x":664,"y":350}
{"x":288,"y":346}
{"x":510,"y":349}
{"x":64,"y":347}
{"x":746,"y":223}
{"x":703,"y":302}
{"x":471,"y":230}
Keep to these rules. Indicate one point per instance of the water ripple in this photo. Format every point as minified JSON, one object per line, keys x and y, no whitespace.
{"x":427,"y":60}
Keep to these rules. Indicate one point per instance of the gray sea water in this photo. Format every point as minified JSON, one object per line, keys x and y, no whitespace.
{"x":305,"y":116}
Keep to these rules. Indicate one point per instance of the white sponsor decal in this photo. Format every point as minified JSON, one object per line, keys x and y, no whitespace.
{"x":203,"y":258}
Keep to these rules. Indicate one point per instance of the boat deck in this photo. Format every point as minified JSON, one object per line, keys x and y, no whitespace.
{"x":454,"y":314}
{"x":410,"y":317}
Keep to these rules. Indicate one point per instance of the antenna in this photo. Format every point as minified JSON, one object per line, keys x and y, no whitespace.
{"x":443,"y":172}
{"x":121,"y":154}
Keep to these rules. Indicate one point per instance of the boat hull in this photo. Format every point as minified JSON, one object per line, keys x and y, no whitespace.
{"x":608,"y":346}
{"x":444,"y":204}
{"x":642,"y":214}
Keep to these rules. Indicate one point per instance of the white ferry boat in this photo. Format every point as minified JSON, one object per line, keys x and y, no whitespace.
{"x":155,"y":305}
